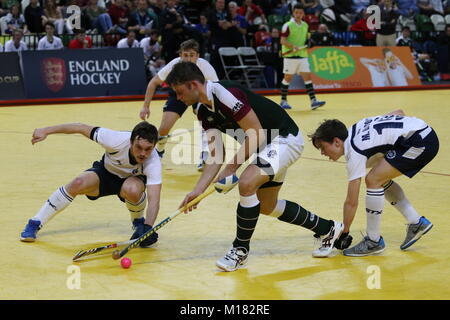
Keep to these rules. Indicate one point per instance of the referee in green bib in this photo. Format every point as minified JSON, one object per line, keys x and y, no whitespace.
{"x":294,"y":38}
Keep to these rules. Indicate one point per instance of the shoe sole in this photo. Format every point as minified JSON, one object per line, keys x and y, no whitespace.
{"x":363,"y":254}
{"x":27,"y":239}
{"x":314,"y":108}
{"x":417,"y":237}
{"x":224,"y":268}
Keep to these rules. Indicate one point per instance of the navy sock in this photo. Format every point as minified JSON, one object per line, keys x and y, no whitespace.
{"x":296,"y":214}
{"x":246,"y":223}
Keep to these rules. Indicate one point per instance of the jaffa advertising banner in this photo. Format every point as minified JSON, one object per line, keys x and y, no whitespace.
{"x":84,"y":73}
{"x":359,"y":67}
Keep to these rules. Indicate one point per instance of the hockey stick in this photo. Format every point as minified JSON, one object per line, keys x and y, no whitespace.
{"x":119,"y":254}
{"x":292,"y":50}
{"x":174,"y":135}
{"x":83,"y":253}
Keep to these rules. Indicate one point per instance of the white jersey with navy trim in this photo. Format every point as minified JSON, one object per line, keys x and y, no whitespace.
{"x":205,"y":67}
{"x":44,"y":44}
{"x":375,"y":135}
{"x":117,"y":156}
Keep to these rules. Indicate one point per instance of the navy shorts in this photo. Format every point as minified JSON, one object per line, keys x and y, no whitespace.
{"x":110,"y":184}
{"x":177,"y":106}
{"x":410,"y":155}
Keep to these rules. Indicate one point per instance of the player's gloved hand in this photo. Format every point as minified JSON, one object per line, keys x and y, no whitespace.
{"x":344,"y":241}
{"x":140,"y":230}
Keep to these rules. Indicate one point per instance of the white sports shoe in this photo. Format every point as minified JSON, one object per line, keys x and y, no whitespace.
{"x":326,"y":242}
{"x":235,"y":258}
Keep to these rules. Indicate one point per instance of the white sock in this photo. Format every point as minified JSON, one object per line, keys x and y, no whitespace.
{"x":250,"y":201}
{"x":279,"y":209}
{"x":56,"y":203}
{"x":137,"y":209}
{"x":395,"y":195}
{"x":374,"y":209}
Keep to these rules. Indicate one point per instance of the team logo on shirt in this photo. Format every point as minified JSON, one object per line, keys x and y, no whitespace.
{"x":272,"y":154}
{"x":237,"y":106}
{"x":391,"y":154}
{"x":53,"y":71}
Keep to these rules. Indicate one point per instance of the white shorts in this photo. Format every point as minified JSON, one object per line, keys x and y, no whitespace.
{"x":281,"y":153}
{"x":295,"y":66}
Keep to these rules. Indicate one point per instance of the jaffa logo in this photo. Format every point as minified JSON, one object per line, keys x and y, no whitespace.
{"x":331,"y":63}
{"x":54,"y":73}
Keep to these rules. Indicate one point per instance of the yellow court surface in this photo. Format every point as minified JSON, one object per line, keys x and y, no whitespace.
{"x":182,"y":265}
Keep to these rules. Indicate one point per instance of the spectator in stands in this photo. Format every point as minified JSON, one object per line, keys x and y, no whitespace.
{"x":81,"y":41}
{"x":6,"y":5}
{"x":157,"y":6}
{"x":151,"y":46}
{"x":386,"y":34}
{"x":237,"y":26}
{"x":16,"y":44}
{"x":405,"y":39}
{"x":262,"y":37}
{"x":422,"y":60}
{"x":322,"y":37}
{"x":1,"y":48}
{"x":359,"y":7}
{"x":131,"y":6}
{"x":118,"y":12}
{"x":141,"y":21}
{"x":312,"y":7}
{"x":407,"y":8}
{"x":446,"y":6}
{"x":54,"y":15}
{"x":98,"y":17}
{"x":429,"y":7}
{"x":253,"y":14}
{"x":34,"y":16}
{"x":128,"y":42}
{"x":219,"y":36}
{"x":50,"y":41}
{"x":15,"y":20}
{"x":152,"y":54}
{"x":366,"y":36}
{"x":443,"y":54}
{"x":205,"y":31}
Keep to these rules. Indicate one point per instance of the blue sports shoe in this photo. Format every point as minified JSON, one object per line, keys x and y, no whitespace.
{"x":139,"y":229}
{"x":317,"y":104}
{"x":285,"y":105}
{"x":31,"y":230}
{"x":415,"y":231}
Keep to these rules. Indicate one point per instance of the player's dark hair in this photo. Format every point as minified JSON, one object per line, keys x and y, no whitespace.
{"x":190,"y":44}
{"x":184,"y":72}
{"x":145,"y":130}
{"x":298,"y":6}
{"x":328,"y":130}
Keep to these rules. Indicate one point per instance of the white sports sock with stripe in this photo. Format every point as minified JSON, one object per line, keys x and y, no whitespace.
{"x":56,"y":203}
{"x":374,"y":209}
{"x":395,"y":195}
{"x":137,"y":209}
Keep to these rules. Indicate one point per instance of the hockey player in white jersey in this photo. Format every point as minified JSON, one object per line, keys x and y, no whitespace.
{"x":391,"y":145}
{"x":130,"y":168}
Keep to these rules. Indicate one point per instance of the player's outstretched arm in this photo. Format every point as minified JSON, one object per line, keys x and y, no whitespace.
{"x":153,"y":199}
{"x":151,"y":88}
{"x":351,"y":203}
{"x":213,"y":164}
{"x":40,"y":134}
